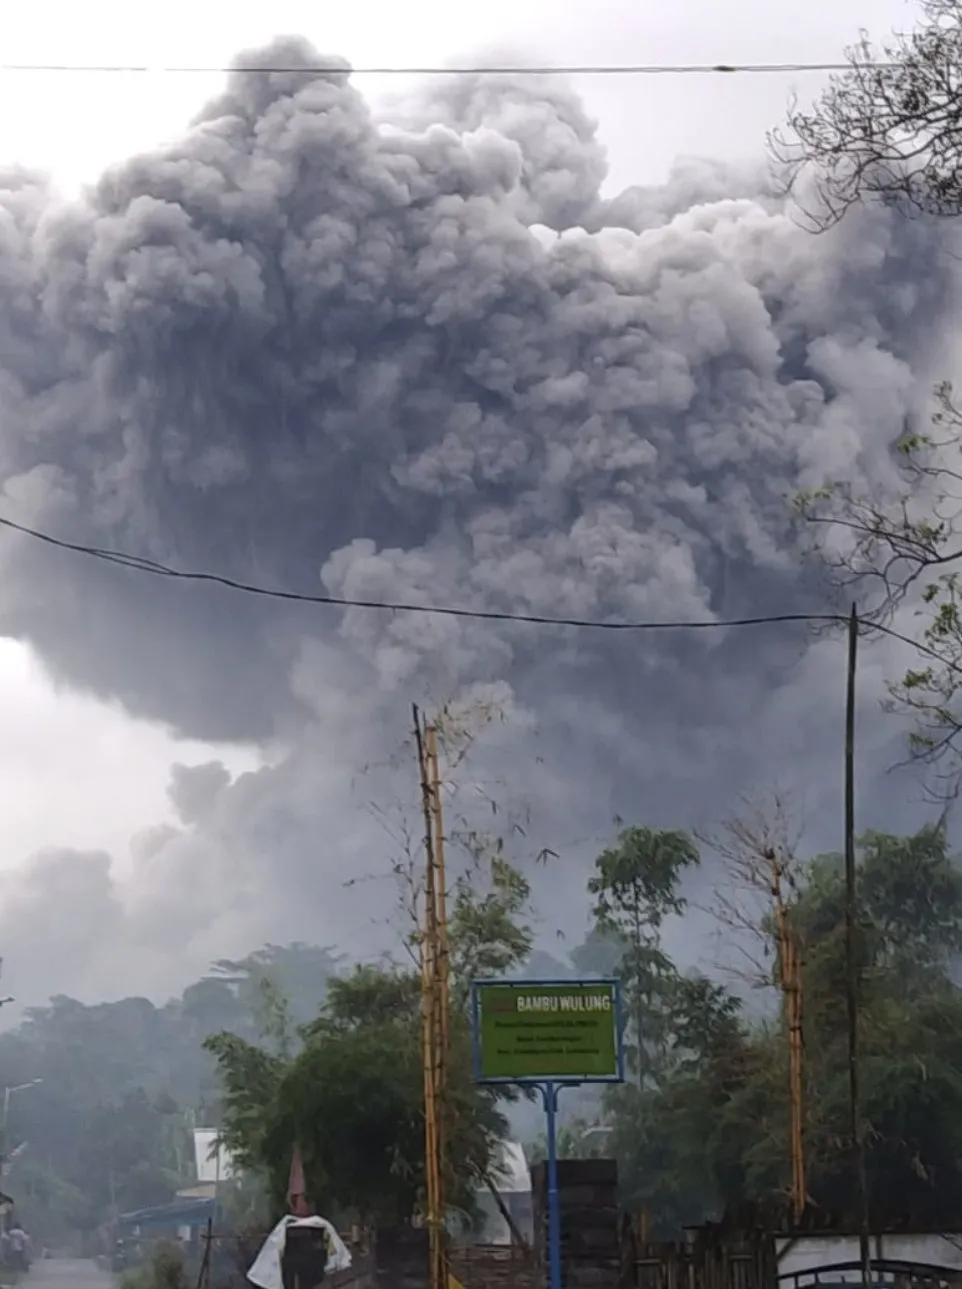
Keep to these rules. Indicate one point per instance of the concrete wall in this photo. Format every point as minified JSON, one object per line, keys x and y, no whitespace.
{"x":809,"y":1252}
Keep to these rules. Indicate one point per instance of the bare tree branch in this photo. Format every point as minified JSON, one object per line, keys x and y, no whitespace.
{"x":758,"y":849}
{"x":887,"y":128}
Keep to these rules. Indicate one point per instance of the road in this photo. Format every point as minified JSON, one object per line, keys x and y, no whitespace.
{"x":67,"y":1273}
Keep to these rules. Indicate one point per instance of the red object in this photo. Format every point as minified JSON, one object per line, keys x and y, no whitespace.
{"x":296,"y":1187}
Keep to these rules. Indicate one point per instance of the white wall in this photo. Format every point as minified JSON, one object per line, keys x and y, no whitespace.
{"x":808,"y":1253}
{"x":216,"y":1167}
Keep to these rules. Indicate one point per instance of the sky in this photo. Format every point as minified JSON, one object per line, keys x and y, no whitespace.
{"x":171,"y":792}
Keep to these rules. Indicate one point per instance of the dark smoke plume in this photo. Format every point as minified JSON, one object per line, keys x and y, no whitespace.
{"x":431,"y":359}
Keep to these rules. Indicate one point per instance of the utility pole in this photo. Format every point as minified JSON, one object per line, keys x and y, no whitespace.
{"x":852,"y":990}
{"x":434,"y":997}
{"x":790,"y":970}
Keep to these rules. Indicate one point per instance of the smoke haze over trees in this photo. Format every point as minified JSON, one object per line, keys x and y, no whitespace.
{"x":292,"y":1034}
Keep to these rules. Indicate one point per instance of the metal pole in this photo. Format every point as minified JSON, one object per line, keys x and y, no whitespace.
{"x":851,"y":958}
{"x":549,"y":1093}
{"x":3,"y":1132}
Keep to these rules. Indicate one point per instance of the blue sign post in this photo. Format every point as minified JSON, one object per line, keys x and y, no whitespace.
{"x":548,"y":1034}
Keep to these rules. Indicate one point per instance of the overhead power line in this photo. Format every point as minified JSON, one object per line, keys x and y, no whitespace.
{"x":570,"y":69}
{"x":141,"y":565}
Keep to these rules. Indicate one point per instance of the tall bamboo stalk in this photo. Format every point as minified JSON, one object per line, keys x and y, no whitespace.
{"x":434,"y":998}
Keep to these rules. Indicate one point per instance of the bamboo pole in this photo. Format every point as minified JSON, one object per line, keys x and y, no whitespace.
{"x":791,"y":985}
{"x":440,"y":889}
{"x":442,"y":961}
{"x":434,"y":998}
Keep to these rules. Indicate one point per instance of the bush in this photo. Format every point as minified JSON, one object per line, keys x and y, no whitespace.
{"x":164,"y":1269}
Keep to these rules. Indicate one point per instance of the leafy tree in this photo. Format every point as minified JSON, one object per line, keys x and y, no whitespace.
{"x":488,"y":928}
{"x":681,"y":1155}
{"x":634,"y":888}
{"x":108,"y":1126}
{"x":352,"y":1098}
{"x":711,"y":1131}
{"x":129,"y":1152}
{"x":579,"y":1138}
{"x":910,"y":928}
{"x":910,"y":922}
{"x":686,"y":1029}
{"x":352,"y":1095}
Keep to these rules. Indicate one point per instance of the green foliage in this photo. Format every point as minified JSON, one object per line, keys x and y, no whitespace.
{"x":712,"y":1129}
{"x":250,"y":1075}
{"x":489,"y":932}
{"x":635,"y":884}
{"x":702,"y":1124}
{"x":634,"y":889}
{"x":351,"y":1095}
{"x":164,"y":1269}
{"x":579,"y":1138}
{"x":108,"y":1128}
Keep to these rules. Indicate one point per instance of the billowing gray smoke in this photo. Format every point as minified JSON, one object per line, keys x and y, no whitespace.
{"x":430,"y":359}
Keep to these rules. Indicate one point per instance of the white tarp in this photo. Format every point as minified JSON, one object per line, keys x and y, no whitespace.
{"x":265,"y":1270}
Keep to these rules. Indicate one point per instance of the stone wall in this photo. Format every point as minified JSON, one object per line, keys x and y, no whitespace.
{"x":588,"y":1203}
{"x":401,"y":1258}
{"x":495,"y":1266}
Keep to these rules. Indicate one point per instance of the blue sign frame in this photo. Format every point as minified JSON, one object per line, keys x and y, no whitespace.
{"x":534,"y":1081}
{"x":550,"y":1089}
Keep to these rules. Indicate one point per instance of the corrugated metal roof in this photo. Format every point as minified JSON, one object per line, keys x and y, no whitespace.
{"x":185,"y":1212}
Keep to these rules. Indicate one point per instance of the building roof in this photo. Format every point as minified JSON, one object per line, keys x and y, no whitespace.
{"x":183,"y":1212}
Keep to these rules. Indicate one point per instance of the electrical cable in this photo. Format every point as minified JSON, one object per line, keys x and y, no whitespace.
{"x":142,"y":565}
{"x":573,"y":69}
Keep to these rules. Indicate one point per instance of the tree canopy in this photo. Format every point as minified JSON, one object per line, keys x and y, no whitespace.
{"x":351,"y":1095}
{"x":304,"y":1047}
{"x":108,"y":1127}
{"x":710,"y":1129}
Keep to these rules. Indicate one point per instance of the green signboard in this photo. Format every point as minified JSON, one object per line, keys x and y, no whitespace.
{"x":547,"y":1031}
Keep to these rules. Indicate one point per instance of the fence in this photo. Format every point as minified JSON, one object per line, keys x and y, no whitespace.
{"x":398,"y":1262}
{"x":495,"y":1266}
{"x":722,"y":1264}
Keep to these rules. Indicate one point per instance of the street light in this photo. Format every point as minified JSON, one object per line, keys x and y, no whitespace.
{"x":602,"y":1130}
{"x":8,"y":1093}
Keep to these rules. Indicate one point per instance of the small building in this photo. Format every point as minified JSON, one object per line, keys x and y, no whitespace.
{"x":181,"y":1218}
{"x":184,"y":1220}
